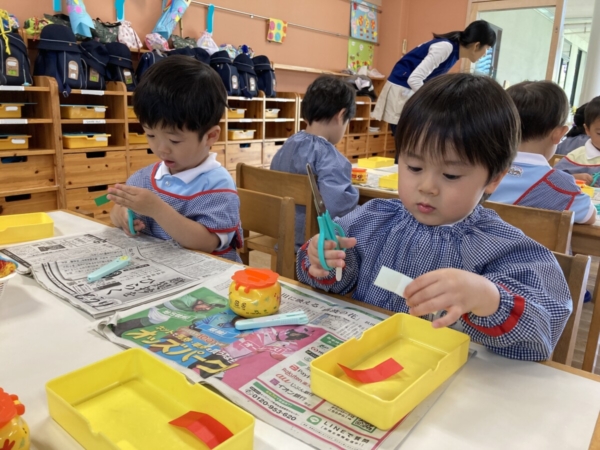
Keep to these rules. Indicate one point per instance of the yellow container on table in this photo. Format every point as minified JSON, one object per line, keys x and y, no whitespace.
{"x":126,"y":401}
{"x":589,"y":190}
{"x":25,"y":227}
{"x":254,"y":292}
{"x":11,"y":110}
{"x":83,"y":140}
{"x":83,"y":111}
{"x":138,"y":138}
{"x":14,"y":141}
{"x":389,"y":181}
{"x":429,"y":357}
{"x":375,"y":162}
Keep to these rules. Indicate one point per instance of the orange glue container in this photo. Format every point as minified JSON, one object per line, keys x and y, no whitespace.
{"x":14,"y":432}
{"x":585,"y":188}
{"x":254,"y":293}
{"x":359,"y":176}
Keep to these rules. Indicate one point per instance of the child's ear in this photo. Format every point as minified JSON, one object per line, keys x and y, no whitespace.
{"x":340,"y":115}
{"x":494,"y":182}
{"x":558,"y":134}
{"x":212,"y":135}
{"x":587,"y":130}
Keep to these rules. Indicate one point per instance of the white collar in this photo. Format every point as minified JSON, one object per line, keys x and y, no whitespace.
{"x":531,"y":158}
{"x":187,"y":176}
{"x":591,"y":152}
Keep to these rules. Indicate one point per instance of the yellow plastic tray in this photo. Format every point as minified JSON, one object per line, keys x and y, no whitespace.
{"x":25,"y":227}
{"x":85,"y":140}
{"x":126,"y":401}
{"x":138,"y":138}
{"x":272,"y":113}
{"x":11,"y":110}
{"x":131,"y":113}
{"x":235,"y":135}
{"x":389,"y":181}
{"x":236,"y":113}
{"x":83,"y":111}
{"x":375,"y":162}
{"x":14,"y":142}
{"x":429,"y":357}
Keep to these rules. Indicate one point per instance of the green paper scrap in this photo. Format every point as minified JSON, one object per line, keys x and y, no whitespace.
{"x":103,"y":199}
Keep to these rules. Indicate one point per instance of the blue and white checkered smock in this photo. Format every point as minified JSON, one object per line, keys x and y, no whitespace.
{"x":214,"y":203}
{"x":535,"y":302}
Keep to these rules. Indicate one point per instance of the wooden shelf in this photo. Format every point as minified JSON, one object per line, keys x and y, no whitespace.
{"x":283,"y":119}
{"x":360,"y":118}
{"x":356,"y":134}
{"x":94,"y":92}
{"x":243,"y":141}
{"x":24,"y":89}
{"x":286,"y":100}
{"x":81,"y":121}
{"x":133,"y":120}
{"x":29,"y":121}
{"x":30,"y":190}
{"x":29,"y":152}
{"x":111,"y":148}
{"x":139,"y":146}
{"x":277,"y":66}
{"x":255,"y":99}
{"x":244,"y":120}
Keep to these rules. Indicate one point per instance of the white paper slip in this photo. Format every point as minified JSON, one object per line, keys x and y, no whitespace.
{"x":392,"y":281}
{"x":94,"y":121}
{"x":91,"y":92}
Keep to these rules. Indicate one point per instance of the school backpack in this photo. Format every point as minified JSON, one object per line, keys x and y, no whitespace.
{"x":221,"y":62}
{"x":94,"y":59}
{"x":146,"y":61}
{"x":266,"y":76}
{"x":15,"y":68}
{"x":197,"y":53}
{"x":60,"y":57}
{"x":248,"y":80}
{"x":120,"y":67}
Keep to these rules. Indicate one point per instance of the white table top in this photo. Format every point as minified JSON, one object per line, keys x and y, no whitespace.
{"x":493,"y":402}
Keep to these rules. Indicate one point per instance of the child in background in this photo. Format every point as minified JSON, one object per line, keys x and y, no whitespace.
{"x":584,"y":162}
{"x":544,"y":108}
{"x":576,"y":137}
{"x":188,"y":196}
{"x":327,"y":107}
{"x":506,"y":290}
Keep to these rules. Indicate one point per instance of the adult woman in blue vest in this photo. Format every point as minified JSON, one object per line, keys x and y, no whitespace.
{"x":429,"y":60}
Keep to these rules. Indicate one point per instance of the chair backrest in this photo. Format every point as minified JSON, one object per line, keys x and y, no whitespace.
{"x":274,"y":217}
{"x":576,"y":270}
{"x":555,"y":159}
{"x":552,"y":229}
{"x":281,"y":184}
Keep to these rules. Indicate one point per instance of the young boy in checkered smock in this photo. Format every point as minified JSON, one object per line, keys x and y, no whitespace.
{"x":456,"y":139}
{"x":188,"y":196}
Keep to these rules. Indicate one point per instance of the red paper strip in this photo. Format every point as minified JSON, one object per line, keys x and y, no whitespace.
{"x":378,"y":373}
{"x":206,"y":428}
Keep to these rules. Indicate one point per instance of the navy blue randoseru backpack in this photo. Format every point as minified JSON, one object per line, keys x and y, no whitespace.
{"x":15,"y":69}
{"x":221,"y":62}
{"x":266,"y":76}
{"x":248,"y":80}
{"x":120,"y":67}
{"x":94,"y":59}
{"x":60,"y":57}
{"x":197,"y":53}
{"x":146,"y":61}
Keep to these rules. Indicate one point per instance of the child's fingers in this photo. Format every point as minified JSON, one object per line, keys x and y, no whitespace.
{"x":430,"y":306}
{"x":451,"y":317}
{"x":317,"y":272}
{"x":346,"y":242}
{"x":420,"y":283}
{"x":138,"y":225}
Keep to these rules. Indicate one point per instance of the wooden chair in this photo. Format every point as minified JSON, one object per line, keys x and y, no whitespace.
{"x":274,"y":217}
{"x":552,"y":229}
{"x":576,"y":270}
{"x":555,"y":159}
{"x":279,"y":184}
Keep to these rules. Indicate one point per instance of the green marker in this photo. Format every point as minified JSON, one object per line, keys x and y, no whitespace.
{"x":103,"y":199}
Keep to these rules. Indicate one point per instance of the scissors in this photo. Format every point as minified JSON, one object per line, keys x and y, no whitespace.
{"x":327,"y":227}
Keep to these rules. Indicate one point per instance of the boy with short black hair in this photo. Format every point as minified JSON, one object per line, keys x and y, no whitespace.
{"x":543,"y":108}
{"x":327,"y":107}
{"x":188,"y":196}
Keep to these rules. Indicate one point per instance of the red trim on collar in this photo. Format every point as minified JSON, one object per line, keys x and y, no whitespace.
{"x":581,"y":165}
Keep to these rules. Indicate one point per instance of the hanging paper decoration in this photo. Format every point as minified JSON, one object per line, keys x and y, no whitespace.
{"x":56,"y":5}
{"x":120,"y":7}
{"x":81,"y":22}
{"x":360,"y":54}
{"x":277,"y":31}
{"x":363,"y":21}
{"x":172,"y":12}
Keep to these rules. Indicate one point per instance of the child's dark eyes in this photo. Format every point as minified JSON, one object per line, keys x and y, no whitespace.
{"x":451,"y":177}
{"x":414,"y":169}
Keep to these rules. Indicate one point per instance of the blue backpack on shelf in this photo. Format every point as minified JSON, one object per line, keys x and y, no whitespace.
{"x":266,"y":76}
{"x":146,"y":61}
{"x":60,"y":57}
{"x":197,"y":53}
{"x":248,"y":79}
{"x":15,"y":69}
{"x":94,"y":59}
{"x":221,"y":62}
{"x":120,"y":67}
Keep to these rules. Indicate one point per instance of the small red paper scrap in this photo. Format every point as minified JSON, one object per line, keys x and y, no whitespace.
{"x":206,"y":428}
{"x":378,"y":373}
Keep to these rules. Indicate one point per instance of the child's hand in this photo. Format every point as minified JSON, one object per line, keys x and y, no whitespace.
{"x":456,"y":291}
{"x":139,"y":200}
{"x":584,"y":177}
{"x":333,"y":258}
{"x":120,"y":219}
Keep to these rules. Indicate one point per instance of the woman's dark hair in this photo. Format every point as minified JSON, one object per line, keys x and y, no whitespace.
{"x":326,"y":97}
{"x":468,"y":114}
{"x":478,"y":31}
{"x":578,"y":122}
{"x":592,"y":111}
{"x":180,"y":92}
{"x":543,"y":106}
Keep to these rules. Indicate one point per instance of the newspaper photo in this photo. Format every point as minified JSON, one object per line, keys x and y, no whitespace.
{"x":267,"y":370}
{"x":157,"y":269}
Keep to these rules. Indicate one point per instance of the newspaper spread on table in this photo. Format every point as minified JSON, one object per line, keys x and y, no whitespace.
{"x":158,"y":268}
{"x":265,"y":371}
